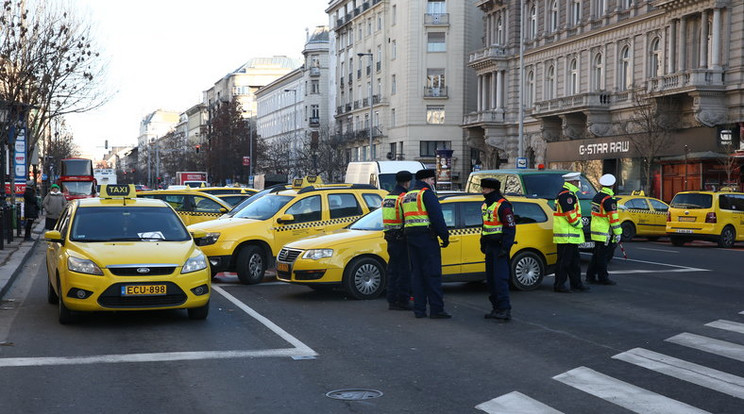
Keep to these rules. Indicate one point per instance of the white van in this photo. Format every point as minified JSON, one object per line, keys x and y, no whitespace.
{"x":380,"y":174}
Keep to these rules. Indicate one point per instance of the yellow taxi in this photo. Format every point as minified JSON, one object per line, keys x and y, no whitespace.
{"x":192,"y":206}
{"x":227,"y":190}
{"x":248,"y":241}
{"x":641,"y":216}
{"x":706,"y":215}
{"x":355,"y":258}
{"x":123,"y":253}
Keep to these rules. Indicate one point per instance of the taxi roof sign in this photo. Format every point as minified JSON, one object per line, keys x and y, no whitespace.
{"x":306,"y":181}
{"x":118,"y":191}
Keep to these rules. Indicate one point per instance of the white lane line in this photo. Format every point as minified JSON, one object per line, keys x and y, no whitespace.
{"x":697,"y":374}
{"x":621,"y":393}
{"x":627,"y":272}
{"x":710,"y":345}
{"x":515,"y":403}
{"x":727,"y":325}
{"x":658,"y":250}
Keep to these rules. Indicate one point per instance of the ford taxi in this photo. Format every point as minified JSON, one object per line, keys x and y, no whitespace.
{"x":248,"y":241}
{"x":191,"y":205}
{"x":355,"y":258}
{"x":641,"y":216}
{"x":706,"y":215}
{"x":123,"y":253}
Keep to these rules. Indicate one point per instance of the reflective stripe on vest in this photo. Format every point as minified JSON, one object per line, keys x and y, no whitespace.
{"x":567,"y":226}
{"x":392,"y":212}
{"x":603,"y":221}
{"x":414,"y":209}
{"x":491,"y":221}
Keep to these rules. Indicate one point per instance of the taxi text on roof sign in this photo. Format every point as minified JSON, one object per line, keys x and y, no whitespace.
{"x":304,"y":182}
{"x":118,"y":191}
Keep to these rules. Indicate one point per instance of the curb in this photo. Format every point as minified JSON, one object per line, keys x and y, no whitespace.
{"x":17,"y":270}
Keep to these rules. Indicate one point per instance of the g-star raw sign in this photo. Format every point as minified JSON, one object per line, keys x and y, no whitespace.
{"x":605,"y":148}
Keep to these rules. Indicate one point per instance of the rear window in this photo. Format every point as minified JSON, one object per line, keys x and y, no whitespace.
{"x":525,"y":213}
{"x":692,"y":200}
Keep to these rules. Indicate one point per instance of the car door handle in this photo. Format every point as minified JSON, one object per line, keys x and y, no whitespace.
{"x":455,"y":241}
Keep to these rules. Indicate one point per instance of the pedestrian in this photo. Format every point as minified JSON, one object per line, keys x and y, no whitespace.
{"x":423,"y":223}
{"x":53,"y":204}
{"x":606,"y":232}
{"x":497,"y":237}
{"x":568,"y":235}
{"x":398,"y":268}
{"x":30,"y":207}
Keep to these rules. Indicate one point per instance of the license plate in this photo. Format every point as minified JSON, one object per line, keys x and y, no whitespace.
{"x":688,"y":231}
{"x":687,"y":219}
{"x":586,"y":245}
{"x":282,"y":267}
{"x":143,"y":290}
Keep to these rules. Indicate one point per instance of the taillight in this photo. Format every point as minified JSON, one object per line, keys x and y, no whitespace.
{"x":711,"y":217}
{"x":669,"y":216}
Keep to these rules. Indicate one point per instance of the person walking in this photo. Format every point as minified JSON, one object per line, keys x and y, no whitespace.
{"x":568,"y":235}
{"x":53,"y":204}
{"x":398,"y":269}
{"x":497,"y":237}
{"x":423,"y":223}
{"x":606,"y":232}
{"x":30,"y":208}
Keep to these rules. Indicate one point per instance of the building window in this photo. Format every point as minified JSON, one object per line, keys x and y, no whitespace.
{"x":625,"y":76}
{"x":395,"y":15}
{"x":393,"y":150}
{"x":499,"y":31}
{"x":369,"y":27}
{"x":625,"y":4}
{"x":530,"y":98}
{"x":315,"y":111}
{"x":315,"y":87}
{"x":393,"y":85}
{"x":553,"y":24}
{"x":436,"y":7}
{"x":429,"y":148}
{"x":655,"y":59}
{"x":575,"y":12}
{"x":393,"y":121}
{"x":379,"y":21}
{"x":573,"y":77}
{"x":393,"y":50}
{"x":533,"y":22}
{"x":550,"y":83}
{"x":599,"y":8}
{"x":436,"y":42}
{"x":435,"y":114}
{"x":598,"y":73}
{"x":435,"y":79}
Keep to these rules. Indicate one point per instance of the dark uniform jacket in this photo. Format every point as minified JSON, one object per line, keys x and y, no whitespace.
{"x":434,"y":210}
{"x":506,"y":217}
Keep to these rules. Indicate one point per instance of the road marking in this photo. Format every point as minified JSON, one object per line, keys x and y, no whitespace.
{"x":710,"y":345}
{"x":670,"y":265}
{"x":621,"y":393}
{"x":697,"y":374}
{"x":658,"y":250}
{"x":515,"y":403}
{"x":627,"y":272}
{"x":727,"y":325}
{"x":300,"y":350}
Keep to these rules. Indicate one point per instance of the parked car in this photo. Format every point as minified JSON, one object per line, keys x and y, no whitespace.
{"x":706,"y":215}
{"x":642,"y":216}
{"x":191,"y":205}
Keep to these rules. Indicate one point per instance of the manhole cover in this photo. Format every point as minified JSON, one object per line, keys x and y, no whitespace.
{"x":354,"y":394}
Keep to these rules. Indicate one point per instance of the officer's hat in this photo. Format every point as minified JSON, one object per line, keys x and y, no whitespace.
{"x":423,"y":174}
{"x":403,"y":176}
{"x":572,"y":176}
{"x":607,"y":180}
{"x":490,"y":183}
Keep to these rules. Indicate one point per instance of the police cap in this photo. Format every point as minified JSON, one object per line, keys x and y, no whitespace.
{"x":572,"y":176}
{"x":423,"y":174}
{"x":403,"y":176}
{"x":607,"y":180}
{"x":490,"y":183}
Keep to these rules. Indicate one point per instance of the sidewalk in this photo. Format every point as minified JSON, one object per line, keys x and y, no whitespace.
{"x":14,"y":255}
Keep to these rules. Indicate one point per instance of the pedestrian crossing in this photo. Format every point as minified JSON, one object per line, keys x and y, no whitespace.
{"x":637,"y":399}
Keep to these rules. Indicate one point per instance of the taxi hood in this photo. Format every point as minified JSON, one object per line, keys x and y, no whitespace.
{"x":335,"y":238}
{"x":221,"y":224}
{"x":114,"y":253}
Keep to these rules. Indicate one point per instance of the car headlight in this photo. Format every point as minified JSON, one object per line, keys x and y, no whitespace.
{"x":210,"y":238}
{"x":195,"y":263}
{"x":86,"y":266}
{"x":315,"y":254}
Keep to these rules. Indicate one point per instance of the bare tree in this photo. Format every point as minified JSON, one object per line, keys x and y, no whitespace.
{"x":228,"y":143}
{"x":730,"y":162}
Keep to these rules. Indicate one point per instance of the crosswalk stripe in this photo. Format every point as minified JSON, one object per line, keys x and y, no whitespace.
{"x":727,"y":325}
{"x":713,"y":346}
{"x":621,"y":393}
{"x":515,"y":403}
{"x":697,"y":374}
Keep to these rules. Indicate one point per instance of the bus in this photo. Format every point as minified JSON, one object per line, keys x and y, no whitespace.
{"x":76,"y":178}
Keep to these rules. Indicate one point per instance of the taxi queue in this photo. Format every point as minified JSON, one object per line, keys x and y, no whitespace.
{"x":130,"y":250}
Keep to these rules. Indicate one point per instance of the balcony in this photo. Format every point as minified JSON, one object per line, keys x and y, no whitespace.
{"x":440,"y":92}
{"x":356,"y":105}
{"x":314,"y":121}
{"x":491,"y":116}
{"x":686,"y":81}
{"x":375,"y":99}
{"x":340,"y":109}
{"x":365,"y":5}
{"x":574,"y":103}
{"x":365,"y":101}
{"x":348,"y":107}
{"x":315,"y":72}
{"x":436,"y":19}
{"x":375,"y":2}
{"x":487,"y":55}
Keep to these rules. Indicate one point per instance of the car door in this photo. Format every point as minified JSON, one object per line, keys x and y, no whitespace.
{"x":205,"y":209}
{"x":659,"y":216}
{"x":54,"y":249}
{"x":469,"y":231}
{"x":451,"y":255}
{"x":308,"y":215}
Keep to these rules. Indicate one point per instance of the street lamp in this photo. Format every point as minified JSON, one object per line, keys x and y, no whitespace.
{"x":371,"y":101}
{"x":294,"y":116}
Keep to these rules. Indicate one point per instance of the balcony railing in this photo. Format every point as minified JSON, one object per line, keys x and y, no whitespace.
{"x":685,"y":80}
{"x":365,"y":5}
{"x":375,"y":99}
{"x":491,"y":52}
{"x":348,"y":107}
{"x":314,"y":71}
{"x":365,"y":101}
{"x":356,"y":105}
{"x":574,"y":102}
{"x":485,"y":116}
{"x":340,"y":109}
{"x":440,"y":92}
{"x":314,"y":121}
{"x":375,"y":2}
{"x":434,"y":19}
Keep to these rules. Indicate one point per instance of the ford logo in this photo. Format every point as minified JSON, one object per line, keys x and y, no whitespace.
{"x":143,"y":270}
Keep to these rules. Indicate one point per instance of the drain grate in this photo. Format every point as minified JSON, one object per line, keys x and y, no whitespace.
{"x":354,"y":394}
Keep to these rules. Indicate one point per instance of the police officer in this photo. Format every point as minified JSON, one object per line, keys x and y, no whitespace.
{"x":606,"y":231}
{"x":423,"y":222}
{"x":568,"y":235}
{"x":497,"y":237}
{"x":398,"y":270}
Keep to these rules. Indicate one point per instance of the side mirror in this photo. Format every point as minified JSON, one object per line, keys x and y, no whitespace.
{"x":198,"y":234}
{"x":223,"y":210}
{"x":285,"y":218}
{"x":54,"y":236}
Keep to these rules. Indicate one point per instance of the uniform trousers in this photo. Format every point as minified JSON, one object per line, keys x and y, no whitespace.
{"x":426,"y":272}
{"x":568,"y":266}
{"x":597,"y":269}
{"x":497,"y":277}
{"x":398,"y":270}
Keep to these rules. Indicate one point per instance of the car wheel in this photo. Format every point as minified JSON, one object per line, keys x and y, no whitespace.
{"x":527,"y":270}
{"x":677,"y":241}
{"x":629,"y":231}
{"x":63,"y":314}
{"x":199,"y":313}
{"x":364,"y":278}
{"x":251,"y":265}
{"x":728,"y":235}
{"x":52,"y":297}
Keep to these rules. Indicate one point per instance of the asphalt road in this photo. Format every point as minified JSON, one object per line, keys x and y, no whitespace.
{"x":669,"y":338}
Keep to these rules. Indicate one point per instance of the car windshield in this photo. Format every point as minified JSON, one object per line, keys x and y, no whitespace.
{"x":369,"y":222}
{"x":547,"y":186}
{"x":692,"y":200}
{"x":264,"y":207}
{"x":77,"y":188}
{"x":387,"y":181}
{"x":248,"y":201}
{"x":107,"y":224}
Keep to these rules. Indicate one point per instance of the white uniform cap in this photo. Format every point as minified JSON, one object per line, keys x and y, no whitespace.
{"x":607,"y":180}
{"x":572,"y":176}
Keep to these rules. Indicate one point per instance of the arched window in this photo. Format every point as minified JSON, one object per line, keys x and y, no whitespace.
{"x":530,"y":98}
{"x":624,"y":70}
{"x":573,"y":74}
{"x":499,"y":31}
{"x":575,"y":12}
{"x":533,"y":22}
{"x":654,"y":59}
{"x":550,"y":83}
{"x":598,"y":73}
{"x":553,"y":23}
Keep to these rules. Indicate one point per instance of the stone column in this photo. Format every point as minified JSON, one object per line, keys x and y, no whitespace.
{"x":499,"y":89}
{"x":480,"y":92}
{"x":682,"y":53}
{"x":703,"y":40}
{"x":671,"y":61}
{"x":716,"y":46}
{"x":493,"y":89}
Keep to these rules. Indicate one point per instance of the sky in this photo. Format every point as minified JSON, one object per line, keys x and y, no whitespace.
{"x":163,"y":54}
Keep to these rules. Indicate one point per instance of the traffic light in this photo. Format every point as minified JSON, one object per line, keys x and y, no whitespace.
{"x":198,"y":147}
